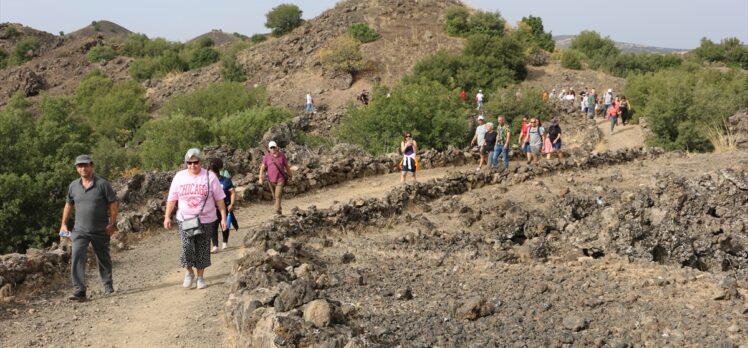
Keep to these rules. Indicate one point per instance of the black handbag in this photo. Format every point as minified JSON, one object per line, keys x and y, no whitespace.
{"x":193,"y":227}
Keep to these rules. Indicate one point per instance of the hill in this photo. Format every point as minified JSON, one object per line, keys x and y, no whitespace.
{"x":102,"y":28}
{"x":564,"y":41}
{"x":219,"y":37}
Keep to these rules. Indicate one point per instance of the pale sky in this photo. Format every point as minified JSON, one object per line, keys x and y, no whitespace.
{"x":663,"y":23}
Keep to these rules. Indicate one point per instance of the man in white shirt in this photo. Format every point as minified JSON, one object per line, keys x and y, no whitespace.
{"x":309,"y":105}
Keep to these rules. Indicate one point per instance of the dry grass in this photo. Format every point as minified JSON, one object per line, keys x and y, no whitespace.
{"x":721,"y":137}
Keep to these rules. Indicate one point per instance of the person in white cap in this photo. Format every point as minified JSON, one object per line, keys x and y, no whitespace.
{"x":607,"y":101}
{"x":309,"y":108}
{"x":479,"y":138}
{"x":279,"y":173}
{"x":479,"y":99}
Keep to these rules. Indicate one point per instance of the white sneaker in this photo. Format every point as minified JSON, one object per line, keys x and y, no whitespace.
{"x":224,"y":246}
{"x":214,"y":249}
{"x":201,"y":284}
{"x":187,"y":283}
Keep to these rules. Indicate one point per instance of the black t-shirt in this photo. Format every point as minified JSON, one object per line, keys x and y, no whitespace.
{"x":490,"y":139}
{"x":554,"y":131}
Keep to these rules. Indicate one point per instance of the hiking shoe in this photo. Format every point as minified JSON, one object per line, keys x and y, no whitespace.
{"x":201,"y":284}
{"x":77,"y":297}
{"x":224,"y":246}
{"x":187,"y":283}
{"x":214,"y":249}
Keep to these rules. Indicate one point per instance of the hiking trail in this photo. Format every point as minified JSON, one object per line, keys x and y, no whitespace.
{"x":628,"y":136}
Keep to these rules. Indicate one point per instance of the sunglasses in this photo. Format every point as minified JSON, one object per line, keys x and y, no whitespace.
{"x":273,"y":147}
{"x":193,"y":163}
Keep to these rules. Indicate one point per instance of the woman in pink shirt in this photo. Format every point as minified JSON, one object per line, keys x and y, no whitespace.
{"x":192,"y":189}
{"x":279,"y":173}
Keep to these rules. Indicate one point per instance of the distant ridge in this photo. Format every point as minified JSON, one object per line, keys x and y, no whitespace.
{"x":564,"y":41}
{"x":218,"y":36}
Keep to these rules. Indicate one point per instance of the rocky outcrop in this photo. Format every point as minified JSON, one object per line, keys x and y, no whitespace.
{"x":26,"y":273}
{"x":738,"y":128}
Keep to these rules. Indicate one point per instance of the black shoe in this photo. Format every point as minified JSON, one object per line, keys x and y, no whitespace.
{"x":78,"y":297}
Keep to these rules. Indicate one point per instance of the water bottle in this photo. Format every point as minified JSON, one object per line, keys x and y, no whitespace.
{"x":228,"y":221}
{"x":64,"y":234}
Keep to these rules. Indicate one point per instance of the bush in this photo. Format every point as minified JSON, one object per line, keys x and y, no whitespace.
{"x":245,"y":129}
{"x":165,"y":140}
{"x":115,"y":111}
{"x":257,"y":38}
{"x":143,"y":69}
{"x":427,"y":109}
{"x":639,"y":63}
{"x":112,"y":159}
{"x":512,"y":105}
{"x":593,"y":45}
{"x":362,"y":32}
{"x":138,"y":45}
{"x":283,"y":18}
{"x":203,"y":56}
{"x":215,"y":101}
{"x":456,"y":21}
{"x":682,"y":105}
{"x":534,"y":27}
{"x":101,"y":54}
{"x":153,"y":67}
{"x":459,"y":22}
{"x":441,"y":67}
{"x":729,"y":51}
{"x":3,"y":59}
{"x":24,"y":50}
{"x":572,"y":59}
{"x":231,"y":70}
{"x":342,"y":55}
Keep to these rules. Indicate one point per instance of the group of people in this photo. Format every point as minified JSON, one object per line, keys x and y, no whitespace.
{"x":479,"y":98}
{"x":608,"y":105}
{"x":195,"y":192}
{"x":534,"y":141}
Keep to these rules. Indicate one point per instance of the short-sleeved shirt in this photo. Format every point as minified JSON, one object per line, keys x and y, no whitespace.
{"x":227,"y":185}
{"x":591,"y":99}
{"x":274,"y":165}
{"x":613,"y":111}
{"x":501,"y":134}
{"x":554,"y":131}
{"x":191,"y":191}
{"x":480,"y":131}
{"x":535,"y":135}
{"x":91,"y":204}
{"x":308,"y":98}
{"x":490,"y":140}
{"x":524,"y":129}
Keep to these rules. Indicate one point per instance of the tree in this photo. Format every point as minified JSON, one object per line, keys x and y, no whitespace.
{"x":537,"y":32}
{"x":456,"y":20}
{"x":489,"y":23}
{"x":283,"y":18}
{"x":593,"y":45}
{"x":572,"y":59}
{"x":244,"y":129}
{"x":166,"y":139}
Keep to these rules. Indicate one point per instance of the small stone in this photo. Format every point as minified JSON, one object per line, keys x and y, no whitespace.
{"x":404,"y":294}
{"x":348,"y":258}
{"x":575,"y":323}
{"x":318,"y":312}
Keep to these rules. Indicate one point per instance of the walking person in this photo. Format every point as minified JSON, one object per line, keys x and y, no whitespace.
{"x":489,"y":142}
{"x":592,"y":104}
{"x":612,"y":114}
{"x":279,"y":173}
{"x":230,"y":198}
{"x":479,"y":100}
{"x":463,"y":96}
{"x":607,"y":101}
{"x":524,"y":138}
{"x":95,"y":204}
{"x":535,"y":135}
{"x":198,"y":193}
{"x":623,"y":109}
{"x":478,"y":138}
{"x":409,"y":148}
{"x":554,"y":138}
{"x":503,"y":135}
{"x":309,"y":109}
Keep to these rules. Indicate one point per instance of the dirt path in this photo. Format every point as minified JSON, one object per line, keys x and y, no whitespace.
{"x":627,"y":136}
{"x":150,"y":308}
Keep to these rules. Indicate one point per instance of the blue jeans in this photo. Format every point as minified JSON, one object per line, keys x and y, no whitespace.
{"x":309,"y":108}
{"x":504,"y":152}
{"x":613,"y":121}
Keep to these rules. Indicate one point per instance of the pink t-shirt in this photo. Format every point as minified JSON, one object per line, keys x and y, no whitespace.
{"x":274,"y":174}
{"x":190,"y":192}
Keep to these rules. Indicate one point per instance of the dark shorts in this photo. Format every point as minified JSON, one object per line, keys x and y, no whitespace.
{"x":485,"y":150}
{"x":557,"y":146}
{"x":412,"y":167}
{"x":526,"y":148}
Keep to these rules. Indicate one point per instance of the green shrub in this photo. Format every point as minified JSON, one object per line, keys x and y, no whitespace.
{"x":257,"y":38}
{"x":313,"y":140}
{"x":245,"y":129}
{"x":203,"y":56}
{"x":362,"y":32}
{"x":143,"y":68}
{"x":205,"y":42}
{"x":25,"y":50}
{"x":3,"y":59}
{"x":681,"y":104}
{"x":729,"y":51}
{"x":441,"y":67}
{"x":639,"y":63}
{"x":456,"y":20}
{"x":101,"y":54}
{"x":512,"y":105}
{"x":170,"y":61}
{"x":215,"y":101}
{"x":593,"y":45}
{"x":435,"y":120}
{"x":232,"y":70}
{"x":572,"y":59}
{"x":165,"y":140}
{"x":283,"y":18}
{"x":533,"y":26}
{"x":138,"y":45}
{"x":112,"y":159}
{"x":11,"y":32}
{"x":342,"y":55}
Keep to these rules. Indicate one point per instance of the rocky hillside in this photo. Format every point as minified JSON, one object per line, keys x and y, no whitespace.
{"x":101,"y":28}
{"x":218,"y":36}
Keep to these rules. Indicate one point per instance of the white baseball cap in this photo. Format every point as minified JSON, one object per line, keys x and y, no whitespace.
{"x":272,"y":144}
{"x":610,"y":90}
{"x":481,"y":117}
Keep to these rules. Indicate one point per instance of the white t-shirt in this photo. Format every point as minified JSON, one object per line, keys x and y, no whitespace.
{"x":308,"y":98}
{"x":479,"y":97}
{"x":481,"y":133}
{"x":608,"y":98}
